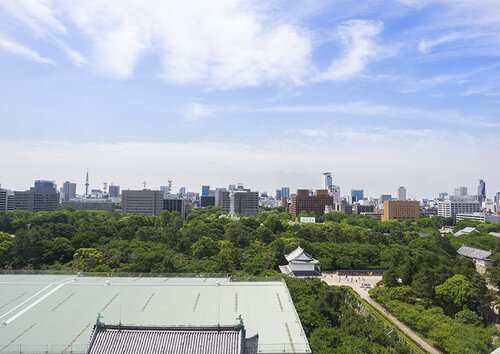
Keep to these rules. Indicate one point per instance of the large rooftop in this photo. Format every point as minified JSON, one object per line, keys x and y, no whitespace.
{"x":56,"y":313}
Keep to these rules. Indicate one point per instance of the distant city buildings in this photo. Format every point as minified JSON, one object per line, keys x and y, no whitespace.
{"x":90,"y":204}
{"x":384,"y":197}
{"x":222,"y":199}
{"x":450,"y":208}
{"x":278,"y":194}
{"x":175,"y":204}
{"x":42,"y":197}
{"x":114,"y":191}
{"x":479,"y":216}
{"x":146,"y":201}
{"x":460,"y":191}
{"x":317,"y":203}
{"x":481,"y":191}
{"x":357,"y":195}
{"x":442,"y":195}
{"x":205,"y":191}
{"x":285,"y":192}
{"x":243,"y":201}
{"x":6,"y":200}
{"x":207,"y":200}
{"x":401,"y":210}
{"x":68,"y":191}
{"x":402,"y":193}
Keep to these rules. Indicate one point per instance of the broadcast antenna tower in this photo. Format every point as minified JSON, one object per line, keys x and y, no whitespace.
{"x":87,"y":184}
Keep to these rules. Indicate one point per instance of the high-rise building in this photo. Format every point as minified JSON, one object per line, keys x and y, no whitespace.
{"x":401,"y":210}
{"x":207,"y":200}
{"x":285,"y":192}
{"x":450,"y":208}
{"x":327,"y":181}
{"x":205,"y":191}
{"x":302,"y":201}
{"x":357,"y":195}
{"x":442,"y":195}
{"x":44,"y":196}
{"x":497,"y":197}
{"x":175,"y":204}
{"x":3,"y":199}
{"x":231,"y":187}
{"x":144,"y":201}
{"x":222,"y":199}
{"x":182,"y":191}
{"x":481,"y":191}
{"x":460,"y":191}
{"x":68,"y":191}
{"x":114,"y":191}
{"x":335,"y":193}
{"x":244,"y":202}
{"x":401,"y":194}
{"x":278,"y":194}
{"x":384,"y":197}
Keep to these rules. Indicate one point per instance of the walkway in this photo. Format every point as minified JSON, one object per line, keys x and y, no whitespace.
{"x":355,"y":284}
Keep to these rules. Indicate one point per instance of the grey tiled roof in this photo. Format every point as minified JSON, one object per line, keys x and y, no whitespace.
{"x":153,"y":339}
{"x":475,"y":253}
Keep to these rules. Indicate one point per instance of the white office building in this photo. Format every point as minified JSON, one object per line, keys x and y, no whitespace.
{"x":401,"y":193}
{"x":484,"y":217}
{"x":450,"y":208}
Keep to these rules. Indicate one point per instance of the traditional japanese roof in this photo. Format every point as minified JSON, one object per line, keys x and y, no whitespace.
{"x":466,"y":230}
{"x":474,"y":253}
{"x":300,"y":256}
{"x":496,"y":234}
{"x":300,"y":273}
{"x":122,"y":339}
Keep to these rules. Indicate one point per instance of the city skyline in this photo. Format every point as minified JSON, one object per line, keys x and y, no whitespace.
{"x":268,"y":93}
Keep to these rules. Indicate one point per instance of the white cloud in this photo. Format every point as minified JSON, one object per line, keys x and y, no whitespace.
{"x":196,"y":111}
{"x":21,"y":50}
{"x":359,"y":40}
{"x":425,"y":46}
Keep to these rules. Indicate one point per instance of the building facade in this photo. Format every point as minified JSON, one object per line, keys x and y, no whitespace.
{"x":205,"y":191}
{"x":146,"y":202}
{"x":481,"y":191}
{"x":69,"y":191}
{"x":316,"y":203}
{"x":450,"y":208}
{"x":175,"y":204}
{"x":114,"y":191}
{"x":402,"y":193}
{"x":90,"y":204}
{"x":460,"y":191}
{"x":206,"y":200}
{"x":42,"y":197}
{"x":484,"y":217}
{"x":401,"y":210}
{"x":222,"y":199}
{"x":357,"y":194}
{"x":244,"y":202}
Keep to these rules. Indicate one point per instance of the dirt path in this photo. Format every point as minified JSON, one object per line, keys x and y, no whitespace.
{"x":356,"y":282}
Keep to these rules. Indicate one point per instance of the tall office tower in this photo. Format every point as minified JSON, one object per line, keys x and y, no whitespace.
{"x":205,"y":191}
{"x":401,"y":210}
{"x":357,"y":195}
{"x":3,"y":199}
{"x":481,"y":191}
{"x":442,"y":195}
{"x":244,"y":202}
{"x":114,"y":191}
{"x":402,"y":193}
{"x":182,"y":191}
{"x":497,"y":197}
{"x":10,"y":200}
{"x":460,"y":191}
{"x":144,"y":201}
{"x":68,"y":191}
{"x":278,"y":194}
{"x":165,"y":189}
{"x":285,"y":192}
{"x":327,"y":181}
{"x":42,"y":197}
{"x":316,"y":203}
{"x":87,"y":184}
{"x":222,"y":199}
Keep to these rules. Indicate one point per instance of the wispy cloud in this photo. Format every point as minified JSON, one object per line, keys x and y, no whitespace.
{"x":23,"y":51}
{"x":425,"y":46}
{"x":196,"y":111}
{"x":359,"y":40}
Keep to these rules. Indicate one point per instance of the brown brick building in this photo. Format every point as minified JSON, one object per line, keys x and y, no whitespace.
{"x":316,"y":203}
{"x":401,"y":210}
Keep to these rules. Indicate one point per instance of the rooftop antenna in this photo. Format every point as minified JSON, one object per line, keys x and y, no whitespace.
{"x":105,"y":187}
{"x":144,"y":184}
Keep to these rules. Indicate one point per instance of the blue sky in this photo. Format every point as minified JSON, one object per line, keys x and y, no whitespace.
{"x":271,"y":93}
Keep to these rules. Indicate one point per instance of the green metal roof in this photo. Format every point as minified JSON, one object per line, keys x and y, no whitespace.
{"x":55,"y":313}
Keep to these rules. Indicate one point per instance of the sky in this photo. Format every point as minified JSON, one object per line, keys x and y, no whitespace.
{"x":267,"y":93}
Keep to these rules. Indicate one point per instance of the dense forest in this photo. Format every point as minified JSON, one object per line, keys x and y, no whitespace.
{"x":425,"y":284}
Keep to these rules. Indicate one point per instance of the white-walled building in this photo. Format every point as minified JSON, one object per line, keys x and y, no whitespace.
{"x":484,"y":217}
{"x":450,"y":208}
{"x":301,"y":264}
